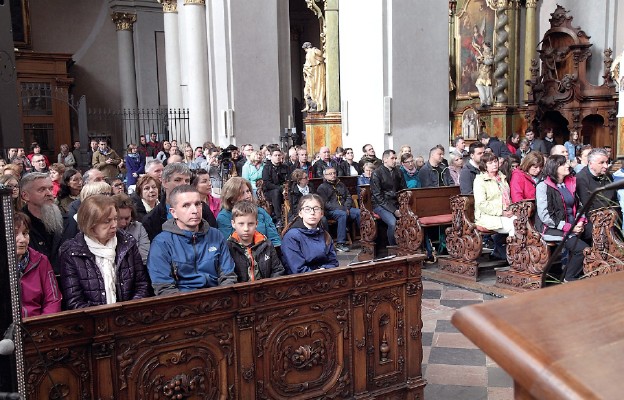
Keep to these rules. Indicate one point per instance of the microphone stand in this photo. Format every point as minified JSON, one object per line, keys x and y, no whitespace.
{"x":560,"y":246}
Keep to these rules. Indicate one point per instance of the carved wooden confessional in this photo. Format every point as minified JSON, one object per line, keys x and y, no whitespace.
{"x":561,"y":97}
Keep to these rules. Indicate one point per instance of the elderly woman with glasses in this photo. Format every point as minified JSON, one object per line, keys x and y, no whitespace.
{"x":102,"y":264}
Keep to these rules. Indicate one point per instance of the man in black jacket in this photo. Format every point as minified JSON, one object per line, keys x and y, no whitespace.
{"x":434,"y":173}
{"x":369,"y":156}
{"x":174,"y":175}
{"x":499,"y":149}
{"x":274,"y":176}
{"x":386,"y":181}
{"x":595,"y":176}
{"x":471,"y":168}
{"x":338,"y":205}
{"x":536,"y":144}
{"x":325,"y":162}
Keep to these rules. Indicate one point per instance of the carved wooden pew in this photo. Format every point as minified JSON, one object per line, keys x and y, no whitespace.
{"x":606,"y":255}
{"x":527,"y":252}
{"x":350,"y":332}
{"x":368,"y":226}
{"x":422,"y":208}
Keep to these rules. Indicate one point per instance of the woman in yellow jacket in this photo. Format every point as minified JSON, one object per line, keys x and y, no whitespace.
{"x":492,"y":200}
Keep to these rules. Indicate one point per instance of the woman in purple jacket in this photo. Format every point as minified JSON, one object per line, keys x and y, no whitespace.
{"x":101,"y":265}
{"x":40,"y":292}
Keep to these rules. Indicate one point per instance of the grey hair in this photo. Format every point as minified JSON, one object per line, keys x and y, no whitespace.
{"x":454,"y":155}
{"x":87,"y":175}
{"x":30,"y":178}
{"x":175,"y":168}
{"x":152,"y":164}
{"x":593,"y":154}
{"x":93,"y":188}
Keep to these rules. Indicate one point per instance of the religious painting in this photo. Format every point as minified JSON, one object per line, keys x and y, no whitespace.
{"x":20,"y":23}
{"x":474,"y":27}
{"x":470,"y":124}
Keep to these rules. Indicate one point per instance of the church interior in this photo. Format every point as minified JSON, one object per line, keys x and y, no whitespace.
{"x":339,"y":74}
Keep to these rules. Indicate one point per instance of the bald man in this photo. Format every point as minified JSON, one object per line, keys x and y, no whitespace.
{"x":325,"y":162}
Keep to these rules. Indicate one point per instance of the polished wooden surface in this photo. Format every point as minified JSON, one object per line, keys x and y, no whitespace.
{"x":344,"y":333}
{"x":564,"y":342}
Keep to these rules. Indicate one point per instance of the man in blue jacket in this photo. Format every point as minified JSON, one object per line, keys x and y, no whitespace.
{"x":188,"y":254}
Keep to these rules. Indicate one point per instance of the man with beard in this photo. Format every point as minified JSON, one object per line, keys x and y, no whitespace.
{"x":46,"y":218}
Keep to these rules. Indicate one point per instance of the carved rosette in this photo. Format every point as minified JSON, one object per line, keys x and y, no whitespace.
{"x":409,"y":234}
{"x":74,"y":383}
{"x":123,"y":21}
{"x":607,"y":252}
{"x":463,"y":240}
{"x":526,"y":250}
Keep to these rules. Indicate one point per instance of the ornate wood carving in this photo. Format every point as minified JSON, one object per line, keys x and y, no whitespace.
{"x":463,"y":240}
{"x":298,"y":337}
{"x":606,"y":255}
{"x":368,"y":225}
{"x":262,"y":200}
{"x":409,"y":234}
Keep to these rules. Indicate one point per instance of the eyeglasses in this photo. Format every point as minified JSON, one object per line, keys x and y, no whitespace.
{"x":311,"y":210}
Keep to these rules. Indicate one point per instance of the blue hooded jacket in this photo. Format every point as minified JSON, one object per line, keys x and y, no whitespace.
{"x":265,"y":225}
{"x":183,"y":261}
{"x":305,"y":249}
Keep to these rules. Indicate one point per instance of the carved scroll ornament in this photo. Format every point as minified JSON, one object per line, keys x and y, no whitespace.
{"x":409,"y":234}
{"x":607,"y":252}
{"x":526,"y":250}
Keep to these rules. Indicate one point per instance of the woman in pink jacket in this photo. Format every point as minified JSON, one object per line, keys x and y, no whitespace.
{"x":40,"y":291}
{"x":526,"y":177}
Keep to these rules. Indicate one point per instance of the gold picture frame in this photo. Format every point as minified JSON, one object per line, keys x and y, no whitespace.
{"x":474,"y":25}
{"x":20,"y":23}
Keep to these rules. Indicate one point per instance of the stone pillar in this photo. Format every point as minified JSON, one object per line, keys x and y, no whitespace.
{"x":513,"y":13}
{"x":127,"y":76}
{"x":530,"y":42}
{"x":125,"y":44}
{"x":332,"y":59}
{"x":501,"y":57}
{"x":172,"y":54}
{"x":196,"y":57}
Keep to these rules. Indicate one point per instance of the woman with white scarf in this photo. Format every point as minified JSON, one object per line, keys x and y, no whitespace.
{"x":101,"y":265}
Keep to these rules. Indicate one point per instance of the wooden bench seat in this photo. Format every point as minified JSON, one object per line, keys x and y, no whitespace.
{"x":606,"y":255}
{"x":464,"y":242}
{"x":422,"y":208}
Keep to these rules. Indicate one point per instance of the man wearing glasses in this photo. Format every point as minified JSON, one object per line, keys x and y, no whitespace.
{"x":338,"y":205}
{"x":39,"y":163}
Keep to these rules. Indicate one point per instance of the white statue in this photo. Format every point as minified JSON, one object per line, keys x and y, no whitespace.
{"x":484,"y":81}
{"x":314,"y":77}
{"x":616,"y":74}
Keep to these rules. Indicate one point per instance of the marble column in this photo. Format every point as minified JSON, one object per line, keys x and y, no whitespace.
{"x":125,"y":45}
{"x":332,"y":59}
{"x":501,"y":57}
{"x":196,"y":57}
{"x":127,"y":76}
{"x":172,"y":54}
{"x":530,"y":42}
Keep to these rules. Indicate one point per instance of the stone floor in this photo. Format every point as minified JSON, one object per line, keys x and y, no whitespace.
{"x":454,"y":368}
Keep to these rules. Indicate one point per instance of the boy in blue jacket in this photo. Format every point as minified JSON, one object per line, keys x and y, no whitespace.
{"x":188,"y":254}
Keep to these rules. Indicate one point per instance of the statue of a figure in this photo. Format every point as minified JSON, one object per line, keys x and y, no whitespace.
{"x":314,"y":77}
{"x":484,"y":81}
{"x":618,"y":77}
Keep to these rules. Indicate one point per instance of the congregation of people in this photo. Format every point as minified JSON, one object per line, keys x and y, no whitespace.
{"x":166,"y":219}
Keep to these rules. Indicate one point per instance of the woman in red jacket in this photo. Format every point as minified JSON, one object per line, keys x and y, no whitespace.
{"x":40,"y":292}
{"x":526,"y":177}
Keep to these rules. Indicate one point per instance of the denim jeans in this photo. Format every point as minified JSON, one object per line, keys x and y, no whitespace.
{"x":341,"y":218}
{"x":390,"y":220}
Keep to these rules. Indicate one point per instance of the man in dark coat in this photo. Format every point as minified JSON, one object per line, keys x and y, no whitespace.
{"x":369,"y":157}
{"x":386,"y":181}
{"x":434,"y":173}
{"x":274,"y":176}
{"x":536,"y":144}
{"x":499,"y":149}
{"x":471,"y":168}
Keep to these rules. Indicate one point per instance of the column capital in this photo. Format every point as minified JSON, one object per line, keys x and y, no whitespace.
{"x":531,"y":3}
{"x":198,"y":2}
{"x":169,"y":6}
{"x":123,"y":21}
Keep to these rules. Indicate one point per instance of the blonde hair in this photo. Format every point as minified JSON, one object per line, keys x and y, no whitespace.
{"x":94,"y":188}
{"x":231,"y":191}
{"x":93,"y":211}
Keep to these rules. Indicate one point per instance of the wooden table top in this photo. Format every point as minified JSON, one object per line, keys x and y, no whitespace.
{"x":564,"y":342}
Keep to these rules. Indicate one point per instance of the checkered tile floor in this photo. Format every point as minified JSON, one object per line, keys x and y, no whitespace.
{"x":455,"y":369}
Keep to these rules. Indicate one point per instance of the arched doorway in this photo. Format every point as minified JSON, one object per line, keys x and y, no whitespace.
{"x":594,"y":131}
{"x":558,"y":123}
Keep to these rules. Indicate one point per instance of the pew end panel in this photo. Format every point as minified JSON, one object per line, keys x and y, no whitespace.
{"x":349,"y":332}
{"x":606,"y":255}
{"x":422,"y":208}
{"x":527,"y":252}
{"x":262,"y":200}
{"x":368,"y":225}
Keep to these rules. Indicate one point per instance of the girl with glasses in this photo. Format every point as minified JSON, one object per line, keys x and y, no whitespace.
{"x":306,"y":246}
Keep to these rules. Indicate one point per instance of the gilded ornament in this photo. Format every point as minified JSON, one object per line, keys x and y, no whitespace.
{"x":531,"y":3}
{"x":123,"y":21}
{"x":198,"y":2}
{"x":169,"y":6}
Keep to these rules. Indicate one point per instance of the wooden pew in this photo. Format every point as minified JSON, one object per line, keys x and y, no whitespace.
{"x":422,"y":208}
{"x":557,"y":344}
{"x":606,"y":255}
{"x":368,"y":225}
{"x":350,"y":332}
{"x":527,"y":252}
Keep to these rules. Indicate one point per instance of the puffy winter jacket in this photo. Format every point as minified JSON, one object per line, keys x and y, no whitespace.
{"x":522,"y":186}
{"x":183,"y":261}
{"x":262,"y":253}
{"x":305,"y":249}
{"x":40,"y":291}
{"x":82,"y":282}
